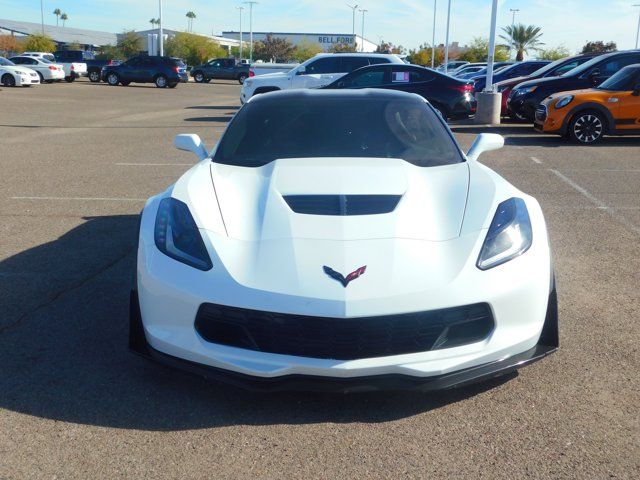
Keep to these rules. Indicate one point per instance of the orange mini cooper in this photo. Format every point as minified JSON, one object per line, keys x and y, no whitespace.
{"x":585,"y":116}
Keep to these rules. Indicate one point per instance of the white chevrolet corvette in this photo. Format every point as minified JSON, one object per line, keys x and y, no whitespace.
{"x":341,"y":240}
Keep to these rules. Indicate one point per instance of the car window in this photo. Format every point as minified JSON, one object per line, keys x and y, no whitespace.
{"x":147,"y":62}
{"x":614,"y":65}
{"x":337,"y":126}
{"x":324,"y":65}
{"x":565,"y":68}
{"x":15,"y":60}
{"x":215,"y":63}
{"x":6,"y":63}
{"x":349,"y":64}
{"x":376,"y":60}
{"x":400,"y":75}
{"x":133,"y":62}
{"x":369,"y":78}
{"x":625,"y":79}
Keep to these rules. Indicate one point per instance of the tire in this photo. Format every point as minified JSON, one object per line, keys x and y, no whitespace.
{"x":161,"y":81}
{"x":8,"y":80}
{"x":242,"y":77}
{"x":587,"y":127}
{"x":199,"y":77}
{"x":41,"y":77}
{"x":113,"y":79}
{"x":94,"y":76}
{"x":173,"y":85}
{"x":207,"y":80}
{"x":70,"y":79}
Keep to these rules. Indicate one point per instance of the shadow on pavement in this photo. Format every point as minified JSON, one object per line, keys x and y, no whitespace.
{"x":213,"y":107}
{"x":210,"y":119}
{"x":63,"y":351}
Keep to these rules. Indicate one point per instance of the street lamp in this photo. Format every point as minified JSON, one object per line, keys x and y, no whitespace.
{"x":353,"y":21}
{"x":637,"y":31}
{"x":42,"y":15}
{"x":362,"y":39}
{"x":489,"y":102}
{"x":513,"y":17}
{"x":446,"y":44}
{"x":160,"y":39}
{"x":240,"y":9}
{"x":251,"y":4}
{"x":433,"y":38}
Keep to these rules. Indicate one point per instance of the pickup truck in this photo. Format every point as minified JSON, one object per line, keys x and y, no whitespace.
{"x":222,"y":69}
{"x":80,"y":56}
{"x":72,"y":69}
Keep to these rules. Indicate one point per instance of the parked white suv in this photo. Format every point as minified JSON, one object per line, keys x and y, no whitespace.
{"x":316,"y":72}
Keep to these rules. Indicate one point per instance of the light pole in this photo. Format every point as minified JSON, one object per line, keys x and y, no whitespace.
{"x":489,"y":102}
{"x":446,"y":45}
{"x":42,"y":15}
{"x":240,"y":10}
{"x":251,"y":4}
{"x":160,"y":39}
{"x":353,"y":23}
{"x":362,"y":44}
{"x":638,"y":30}
{"x":513,"y":17}
{"x":433,"y":36}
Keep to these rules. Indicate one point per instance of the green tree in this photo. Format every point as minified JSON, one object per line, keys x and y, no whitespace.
{"x":422,"y":55}
{"x":305,"y":50}
{"x":129,"y":44}
{"x":388,"y":47}
{"x":57,"y":13}
{"x":39,"y":43}
{"x":193,"y":49}
{"x":190,"y":17}
{"x":64,"y":17}
{"x":522,"y":38}
{"x":9,"y":45}
{"x":478,"y":51}
{"x":342,"y":48}
{"x":599,"y":47}
{"x":554,"y":53}
{"x":273,"y":49}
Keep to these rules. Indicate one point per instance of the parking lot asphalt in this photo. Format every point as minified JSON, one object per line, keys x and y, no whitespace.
{"x":76,"y":163}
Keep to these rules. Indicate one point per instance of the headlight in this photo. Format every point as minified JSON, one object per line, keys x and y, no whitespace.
{"x":564,"y":101}
{"x":524,"y":91}
{"x":177,"y":236}
{"x":509,"y":234}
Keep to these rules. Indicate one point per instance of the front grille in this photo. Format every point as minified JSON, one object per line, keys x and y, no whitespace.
{"x":344,"y":338}
{"x":541,"y":113}
{"x":342,"y":204}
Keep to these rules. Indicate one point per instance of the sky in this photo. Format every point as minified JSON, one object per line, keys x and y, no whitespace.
{"x":570,"y":23}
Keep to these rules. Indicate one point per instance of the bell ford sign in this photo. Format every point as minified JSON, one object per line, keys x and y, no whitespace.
{"x":336,"y":39}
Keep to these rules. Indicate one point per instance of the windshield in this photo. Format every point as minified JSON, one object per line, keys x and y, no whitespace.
{"x":576,"y":72}
{"x":548,"y":67}
{"x":625,"y":79}
{"x":337,"y":126}
{"x":5,"y":62}
{"x":44,"y":60}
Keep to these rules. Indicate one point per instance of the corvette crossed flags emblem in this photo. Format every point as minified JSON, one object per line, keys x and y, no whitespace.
{"x":342,"y":279}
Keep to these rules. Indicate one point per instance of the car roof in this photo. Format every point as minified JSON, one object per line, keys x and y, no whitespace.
{"x":368,"y":93}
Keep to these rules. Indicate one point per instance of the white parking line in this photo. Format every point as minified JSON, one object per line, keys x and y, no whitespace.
{"x":83,"y":199}
{"x":537,"y":160}
{"x":597,"y":202}
{"x":155,"y":164}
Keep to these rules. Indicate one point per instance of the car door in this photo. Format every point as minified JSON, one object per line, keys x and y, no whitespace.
{"x":318,"y":73}
{"x":129,"y":69}
{"x":411,"y":80}
{"x":370,"y":78}
{"x":628,"y":117}
{"x":148,"y":69}
{"x":34,"y":64}
{"x":213,"y":69}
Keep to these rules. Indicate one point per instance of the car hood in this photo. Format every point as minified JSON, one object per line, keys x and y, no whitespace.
{"x":256,"y":204}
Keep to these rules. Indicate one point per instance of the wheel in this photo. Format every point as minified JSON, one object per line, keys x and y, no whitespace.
{"x":199,"y":77}
{"x":242,"y":77}
{"x":8,"y":80}
{"x":587,"y":127}
{"x":70,"y":79}
{"x":124,"y":84}
{"x":41,"y":77}
{"x":161,"y":81}
{"x":113,"y":79}
{"x":94,"y":76}
{"x":207,"y":80}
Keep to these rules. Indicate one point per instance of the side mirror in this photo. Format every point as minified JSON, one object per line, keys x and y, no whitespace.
{"x":191,"y":143}
{"x":485,"y":142}
{"x":301,"y":71}
{"x":636,"y":90}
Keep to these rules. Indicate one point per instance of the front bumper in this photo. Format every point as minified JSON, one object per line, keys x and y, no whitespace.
{"x":547,"y":344}
{"x":22,"y":80}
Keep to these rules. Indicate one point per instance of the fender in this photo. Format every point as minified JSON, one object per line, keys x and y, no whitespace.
{"x":611,"y":126}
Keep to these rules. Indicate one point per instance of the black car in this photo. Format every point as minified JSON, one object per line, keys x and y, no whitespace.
{"x":453,"y":98}
{"x":525,"y":97}
{"x":520,"y":69}
{"x":163,"y":71}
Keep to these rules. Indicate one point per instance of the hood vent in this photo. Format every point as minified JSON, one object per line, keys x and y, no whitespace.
{"x":342,"y":205}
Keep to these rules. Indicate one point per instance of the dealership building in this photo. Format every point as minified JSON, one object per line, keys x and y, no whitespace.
{"x":323,"y":40}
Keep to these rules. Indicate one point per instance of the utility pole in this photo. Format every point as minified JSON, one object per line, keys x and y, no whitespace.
{"x":353,"y":23}
{"x":446,"y":45}
{"x":240,"y":10}
{"x":433,"y":36}
{"x":638,"y":30}
{"x":513,"y":17}
{"x":362,"y":44}
{"x":160,"y":39}
{"x":251,"y":4}
{"x":42,"y":15}
{"x":489,"y":102}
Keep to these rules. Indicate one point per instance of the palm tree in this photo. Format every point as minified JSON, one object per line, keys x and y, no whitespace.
{"x":64,"y":17}
{"x":154,"y":22}
{"x":57,"y":13}
{"x":191,"y":16}
{"x":522,"y":38}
